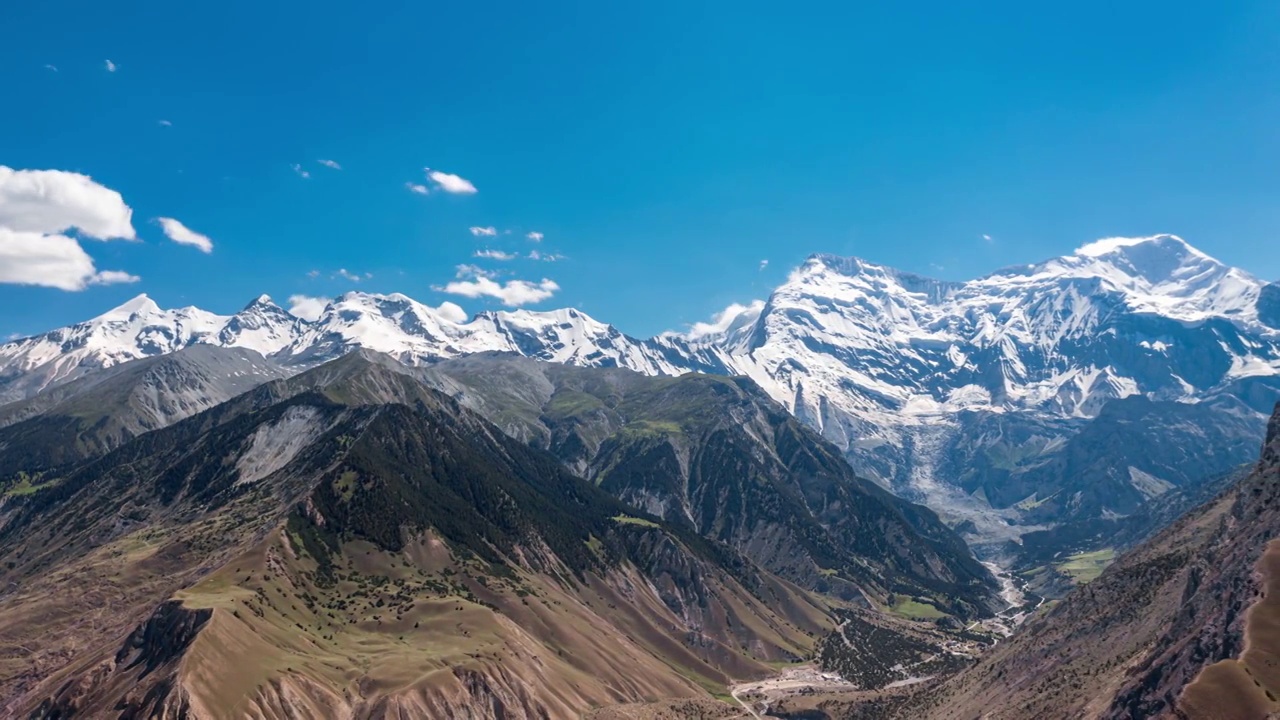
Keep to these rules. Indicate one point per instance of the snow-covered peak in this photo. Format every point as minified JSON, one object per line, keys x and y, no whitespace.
{"x":139,"y":305}
{"x":1159,"y":274}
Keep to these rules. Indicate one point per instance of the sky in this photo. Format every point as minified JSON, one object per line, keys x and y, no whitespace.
{"x":649,"y":164}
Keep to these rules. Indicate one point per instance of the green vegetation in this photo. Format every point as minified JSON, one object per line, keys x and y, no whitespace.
{"x":914,"y":608}
{"x":1086,"y":566}
{"x":628,"y":520}
{"x":27,"y":485}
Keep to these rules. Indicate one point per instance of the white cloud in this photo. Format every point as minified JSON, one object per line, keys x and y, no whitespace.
{"x":416,"y":188}
{"x":764,"y":264}
{"x":54,"y":201}
{"x":165,"y":123}
{"x":544,"y":257}
{"x":451,"y":312}
{"x":307,"y":307}
{"x":352,"y":276}
{"x":331,"y":164}
{"x":53,"y":260}
{"x":51,"y":68}
{"x":483,"y":231}
{"x":450,"y":183}
{"x":494,"y":255}
{"x":301,"y":172}
{"x":183,"y":235}
{"x":535,"y":236}
{"x":37,"y":210}
{"x":465,"y":271}
{"x":987,"y":238}
{"x":512,"y":293}
{"x":313,"y":274}
{"x":731,"y":318}
{"x":111,"y":67}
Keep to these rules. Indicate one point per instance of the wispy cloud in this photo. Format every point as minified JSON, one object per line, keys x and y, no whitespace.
{"x":307,"y":307}
{"x":313,"y":274}
{"x":764,"y":264}
{"x":331,"y":164}
{"x":544,"y":257}
{"x":302,"y":173}
{"x":164,"y":123}
{"x":183,"y":235}
{"x":111,"y":67}
{"x":483,"y":231}
{"x":451,"y":183}
{"x":467,"y":270}
{"x":535,"y":236}
{"x":988,"y":238}
{"x":416,"y":188}
{"x":733,"y":317}
{"x":494,"y":255}
{"x":51,"y":68}
{"x":346,"y":274}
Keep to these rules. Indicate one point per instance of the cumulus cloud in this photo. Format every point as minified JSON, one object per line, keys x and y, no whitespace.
{"x":535,"y":236}
{"x":51,"y":260}
{"x":331,"y":164}
{"x":544,"y":257}
{"x":450,"y":183}
{"x":54,"y":201}
{"x":307,"y":307}
{"x":731,"y":318}
{"x":111,"y":67}
{"x":451,"y":312}
{"x":512,"y":293}
{"x":302,"y":173}
{"x":764,"y":264}
{"x":38,"y":208}
{"x":183,"y":235}
{"x":416,"y":188}
{"x":483,"y":231}
{"x":494,"y":255}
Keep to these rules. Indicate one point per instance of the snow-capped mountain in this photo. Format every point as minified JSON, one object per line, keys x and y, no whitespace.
{"x":892,"y":367}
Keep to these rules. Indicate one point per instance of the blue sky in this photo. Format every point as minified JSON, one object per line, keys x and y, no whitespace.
{"x":663,"y":150}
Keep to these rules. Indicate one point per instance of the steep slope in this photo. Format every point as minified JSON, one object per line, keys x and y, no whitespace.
{"x":99,"y":411}
{"x":718,"y":455}
{"x":311,"y":549}
{"x":1156,"y":634}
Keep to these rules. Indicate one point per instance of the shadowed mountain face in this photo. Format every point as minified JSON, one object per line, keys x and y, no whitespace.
{"x":717,"y":455}
{"x":352,"y":542}
{"x":1181,"y":626}
{"x":98,"y":412}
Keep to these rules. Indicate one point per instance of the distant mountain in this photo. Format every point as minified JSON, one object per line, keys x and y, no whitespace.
{"x":98,"y":412}
{"x":899,"y":371}
{"x":1182,"y":626}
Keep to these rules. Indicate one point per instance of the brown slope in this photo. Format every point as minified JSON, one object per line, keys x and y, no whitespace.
{"x":1127,"y":644}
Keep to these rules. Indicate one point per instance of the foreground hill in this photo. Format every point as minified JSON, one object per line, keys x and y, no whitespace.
{"x":352,"y":542}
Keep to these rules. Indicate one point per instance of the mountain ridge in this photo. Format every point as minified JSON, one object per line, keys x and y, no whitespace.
{"x":888,"y":365}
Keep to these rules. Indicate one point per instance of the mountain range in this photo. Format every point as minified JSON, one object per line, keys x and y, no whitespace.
{"x":976,"y":398}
